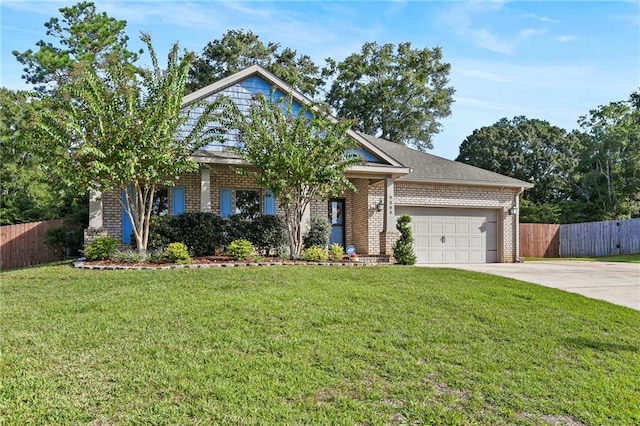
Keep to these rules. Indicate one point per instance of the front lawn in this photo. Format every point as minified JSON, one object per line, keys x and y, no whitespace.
{"x":310,"y":345}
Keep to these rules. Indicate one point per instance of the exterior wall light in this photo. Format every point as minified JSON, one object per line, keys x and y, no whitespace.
{"x":513,"y":211}
{"x":380,"y":205}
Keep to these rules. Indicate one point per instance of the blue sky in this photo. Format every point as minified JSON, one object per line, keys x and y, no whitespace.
{"x":550,"y":60}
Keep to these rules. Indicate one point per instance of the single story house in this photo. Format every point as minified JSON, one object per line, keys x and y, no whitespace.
{"x":459,"y":213}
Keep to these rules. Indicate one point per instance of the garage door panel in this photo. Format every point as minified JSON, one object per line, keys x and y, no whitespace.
{"x":470,"y":235}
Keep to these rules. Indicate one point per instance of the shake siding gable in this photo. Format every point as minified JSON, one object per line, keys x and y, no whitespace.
{"x":241,"y":94}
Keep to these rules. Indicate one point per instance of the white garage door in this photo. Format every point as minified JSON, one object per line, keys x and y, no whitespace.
{"x":447,"y":235}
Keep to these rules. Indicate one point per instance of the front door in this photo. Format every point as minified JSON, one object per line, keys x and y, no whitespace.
{"x":336,"y":217}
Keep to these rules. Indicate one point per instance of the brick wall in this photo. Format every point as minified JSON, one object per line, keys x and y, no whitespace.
{"x":408,"y":194}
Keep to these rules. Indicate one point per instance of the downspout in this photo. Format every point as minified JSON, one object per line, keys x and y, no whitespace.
{"x":517,"y":225}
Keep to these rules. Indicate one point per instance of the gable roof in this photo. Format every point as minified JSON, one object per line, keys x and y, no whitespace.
{"x":257,"y":70}
{"x":429,"y":168}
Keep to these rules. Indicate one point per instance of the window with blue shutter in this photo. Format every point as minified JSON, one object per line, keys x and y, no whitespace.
{"x":225,"y":202}
{"x":178,"y":200}
{"x":269,"y":203}
{"x":127,"y":228}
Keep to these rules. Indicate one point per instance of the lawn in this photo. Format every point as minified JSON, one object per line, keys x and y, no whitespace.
{"x":310,"y":345}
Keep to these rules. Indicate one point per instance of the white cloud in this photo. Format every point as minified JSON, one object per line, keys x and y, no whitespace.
{"x":564,"y":38}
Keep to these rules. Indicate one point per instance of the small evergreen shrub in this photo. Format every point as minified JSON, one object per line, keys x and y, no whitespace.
{"x":126,"y":256}
{"x":315,"y":254}
{"x":318,"y":234}
{"x":403,"y":248}
{"x":236,"y":227}
{"x":268,"y":234}
{"x":335,"y":252}
{"x":178,"y":253}
{"x":56,"y":239}
{"x":201,"y":232}
{"x":240,"y":249}
{"x":101,"y":248}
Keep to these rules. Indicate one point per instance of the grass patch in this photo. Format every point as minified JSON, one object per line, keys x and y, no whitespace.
{"x":627,"y":258}
{"x":319,"y":345}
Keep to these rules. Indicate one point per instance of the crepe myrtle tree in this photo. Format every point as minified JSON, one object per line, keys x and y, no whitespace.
{"x":125,"y":129}
{"x":299,"y":156}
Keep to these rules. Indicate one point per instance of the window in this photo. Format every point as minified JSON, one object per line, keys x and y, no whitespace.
{"x":248,"y":204}
{"x":160,"y":205}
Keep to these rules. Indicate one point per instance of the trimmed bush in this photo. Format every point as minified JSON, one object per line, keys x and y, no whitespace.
{"x":177,"y":253}
{"x":336,"y":251}
{"x":202,"y":233}
{"x":101,"y":248}
{"x":403,"y":248}
{"x":315,"y":254}
{"x":268,"y":234}
{"x":236,"y":227}
{"x":240,"y":249}
{"x":318,"y":235}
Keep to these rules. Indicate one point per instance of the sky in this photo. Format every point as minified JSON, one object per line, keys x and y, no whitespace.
{"x":548,"y":60}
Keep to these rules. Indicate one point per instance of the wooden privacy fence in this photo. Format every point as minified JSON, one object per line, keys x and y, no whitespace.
{"x":539,"y":240}
{"x":580,"y":239}
{"x":23,"y":244}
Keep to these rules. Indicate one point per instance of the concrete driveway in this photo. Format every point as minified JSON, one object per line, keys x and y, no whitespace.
{"x":615,"y":282}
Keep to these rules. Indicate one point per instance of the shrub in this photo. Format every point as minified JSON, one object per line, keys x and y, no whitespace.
{"x":101,"y":248}
{"x":335,"y":252}
{"x":240,"y":249}
{"x":318,"y":235}
{"x":178,"y":253}
{"x":126,"y":256}
{"x":157,"y":255}
{"x":268,"y":234}
{"x":403,"y":248}
{"x":236,"y":227}
{"x":56,"y":239}
{"x":315,"y":254}
{"x":201,"y":232}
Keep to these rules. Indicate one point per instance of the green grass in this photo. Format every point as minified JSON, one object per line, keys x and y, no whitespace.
{"x":628,"y":258}
{"x":310,"y":345}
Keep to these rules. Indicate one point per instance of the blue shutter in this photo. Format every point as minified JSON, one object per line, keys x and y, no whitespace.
{"x":225,"y":202}
{"x":178,"y":202}
{"x":269,"y":203}
{"x":127,"y":228}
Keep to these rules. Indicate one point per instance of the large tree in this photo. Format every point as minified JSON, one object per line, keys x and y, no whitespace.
{"x":610,"y":160}
{"x":396,"y":93}
{"x":82,"y":35}
{"x":26,"y":194}
{"x":126,"y":130}
{"x":527,"y":149}
{"x":298,"y":156}
{"x":238,"y":49}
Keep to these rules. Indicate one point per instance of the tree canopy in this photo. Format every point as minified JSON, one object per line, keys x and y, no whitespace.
{"x":396,"y":93}
{"x":298,"y":156}
{"x":82,"y":35}
{"x":238,"y":49}
{"x":120,"y":130}
{"x":527,"y":149}
{"x":609,"y":167}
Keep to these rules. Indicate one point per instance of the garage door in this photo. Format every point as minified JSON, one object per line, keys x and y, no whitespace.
{"x":445,"y":235}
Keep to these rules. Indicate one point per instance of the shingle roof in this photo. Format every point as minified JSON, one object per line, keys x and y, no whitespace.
{"x":431,"y":168}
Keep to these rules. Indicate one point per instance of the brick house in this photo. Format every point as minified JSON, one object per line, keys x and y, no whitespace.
{"x":459,"y":213}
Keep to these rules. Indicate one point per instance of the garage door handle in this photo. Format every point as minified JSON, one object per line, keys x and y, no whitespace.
{"x":443,"y":239}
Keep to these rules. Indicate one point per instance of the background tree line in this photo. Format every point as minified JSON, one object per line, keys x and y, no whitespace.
{"x":398,"y":92}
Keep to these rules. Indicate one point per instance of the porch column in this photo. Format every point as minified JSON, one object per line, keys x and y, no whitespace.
{"x":96,"y":222}
{"x":205,"y":190}
{"x":389,"y":234}
{"x":95,"y":209}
